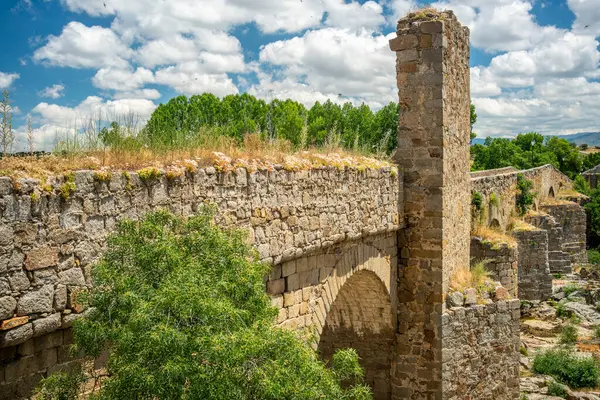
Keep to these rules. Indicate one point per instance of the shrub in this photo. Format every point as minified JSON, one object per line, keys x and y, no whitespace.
{"x":181,"y":307}
{"x":576,"y":372}
{"x":525,"y":196}
{"x":523,"y":351}
{"x":476,"y":200}
{"x":60,"y":386}
{"x":594,"y":256}
{"x":568,"y":335}
{"x":597,"y":331}
{"x":556,"y":389}
{"x":571,"y":288}
{"x":557,"y":276}
{"x":562,"y":312}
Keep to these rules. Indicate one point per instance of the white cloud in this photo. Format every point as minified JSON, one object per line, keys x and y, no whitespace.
{"x":80,"y":46}
{"x":368,"y":15}
{"x":92,"y":107}
{"x":53,"y":92}
{"x":483,"y":83}
{"x":193,"y":78}
{"x":150,"y":94}
{"x":587,"y":15}
{"x":7,"y":79}
{"x":353,"y":64}
{"x":122,"y":79}
{"x":398,"y":9}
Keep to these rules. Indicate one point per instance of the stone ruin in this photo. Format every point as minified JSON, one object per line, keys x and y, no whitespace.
{"x":361,"y":257}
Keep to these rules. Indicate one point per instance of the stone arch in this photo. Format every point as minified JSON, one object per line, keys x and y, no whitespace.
{"x":495,"y":224}
{"x":551,"y":192}
{"x":362,"y":317}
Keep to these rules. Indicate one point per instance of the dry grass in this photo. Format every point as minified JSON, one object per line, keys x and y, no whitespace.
{"x":476,"y":277}
{"x":520,"y":225}
{"x":224,"y":154}
{"x":554,"y":201}
{"x":570,"y":193}
{"x":494,"y":236}
{"x":425,"y":14}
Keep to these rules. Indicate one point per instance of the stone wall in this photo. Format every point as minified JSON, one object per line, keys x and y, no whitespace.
{"x":499,"y":188}
{"x":592,"y":176}
{"x":22,"y":366}
{"x":432,"y":71}
{"x":559,"y":261}
{"x":48,"y":244}
{"x":502,"y":261}
{"x":535,"y":280}
{"x":481,"y":351}
{"x":573,"y":220}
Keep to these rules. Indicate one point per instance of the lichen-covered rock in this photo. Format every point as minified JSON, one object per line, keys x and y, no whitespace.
{"x":7,"y":307}
{"x":455,"y":299}
{"x":38,"y":301}
{"x":16,"y":335}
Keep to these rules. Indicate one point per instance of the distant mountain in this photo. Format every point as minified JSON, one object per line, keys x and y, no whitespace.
{"x":591,"y":138}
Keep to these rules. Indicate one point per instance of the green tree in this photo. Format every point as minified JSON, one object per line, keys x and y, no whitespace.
{"x":181,"y":307}
{"x":473,"y":121}
{"x":569,"y":159}
{"x":525,"y":196}
{"x":593,"y":210}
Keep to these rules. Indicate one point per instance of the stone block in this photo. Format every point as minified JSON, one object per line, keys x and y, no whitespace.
{"x":16,"y":336}
{"x":400,"y":43}
{"x":42,"y":257}
{"x":276,"y":287}
{"x":46,"y":325}
{"x":37,"y":301}
{"x":13,"y":323}
{"x":7,"y":307}
{"x":72,"y":277}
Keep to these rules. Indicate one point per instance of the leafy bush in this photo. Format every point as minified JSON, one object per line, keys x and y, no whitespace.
{"x":181,"y":308}
{"x":568,"y":335}
{"x":597,"y":331}
{"x":476,"y":200}
{"x":594,"y":256}
{"x":562,"y":312}
{"x":525,"y":196}
{"x":556,"y":389}
{"x":60,"y":386}
{"x":571,"y":288}
{"x":576,"y":372}
{"x":581,"y":185}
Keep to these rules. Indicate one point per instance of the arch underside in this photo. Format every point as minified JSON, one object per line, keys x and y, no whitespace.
{"x":362,"y":318}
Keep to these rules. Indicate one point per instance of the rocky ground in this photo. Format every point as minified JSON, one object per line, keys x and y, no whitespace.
{"x":576,"y":302}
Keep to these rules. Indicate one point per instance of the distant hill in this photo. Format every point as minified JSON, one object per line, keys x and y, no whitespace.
{"x":591,"y":138}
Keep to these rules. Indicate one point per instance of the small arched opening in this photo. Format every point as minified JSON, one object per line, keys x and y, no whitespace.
{"x":495,"y":224}
{"x":361,"y":317}
{"x":551,"y":192}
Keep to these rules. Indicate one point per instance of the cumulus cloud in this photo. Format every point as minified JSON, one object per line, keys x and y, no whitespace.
{"x":7,"y":79}
{"x":53,"y":92}
{"x":192,"y":78}
{"x":122,"y":79}
{"x":92,"y":107}
{"x":355,"y":64}
{"x":80,"y":46}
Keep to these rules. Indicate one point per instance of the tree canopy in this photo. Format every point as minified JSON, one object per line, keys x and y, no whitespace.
{"x":180,"y":305}
{"x":528,"y":150}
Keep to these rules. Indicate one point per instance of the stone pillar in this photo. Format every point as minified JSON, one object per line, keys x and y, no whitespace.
{"x":432,"y":66}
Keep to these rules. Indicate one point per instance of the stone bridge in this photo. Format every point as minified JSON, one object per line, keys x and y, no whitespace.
{"x":362,"y":258}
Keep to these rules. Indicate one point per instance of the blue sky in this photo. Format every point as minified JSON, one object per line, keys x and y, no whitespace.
{"x":534,"y":63}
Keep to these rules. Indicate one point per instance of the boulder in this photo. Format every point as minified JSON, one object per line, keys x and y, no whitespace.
{"x":455,"y":299}
{"x":584,"y":311}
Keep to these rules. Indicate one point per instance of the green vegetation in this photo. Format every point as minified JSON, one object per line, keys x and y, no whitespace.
{"x":562,"y":312}
{"x":525,"y":196}
{"x":597,"y":331}
{"x":556,"y":389}
{"x":571,"y":288}
{"x":178,"y":121}
{"x":566,"y":368}
{"x":523,"y":351}
{"x":181,"y":308}
{"x":593,"y":210}
{"x":529,"y":150}
{"x":594,"y":256}
{"x":473,"y":121}
{"x":494,"y":200}
{"x":477,"y":200}
{"x":568,"y":335}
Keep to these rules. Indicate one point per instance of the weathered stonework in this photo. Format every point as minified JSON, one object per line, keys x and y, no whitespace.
{"x":501,"y":262}
{"x":317,"y":228}
{"x":592,"y":176}
{"x":432,"y":70}
{"x":481,"y":351}
{"x":499,"y":188}
{"x":572,"y":219}
{"x":559,"y":261}
{"x":535,"y":280}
